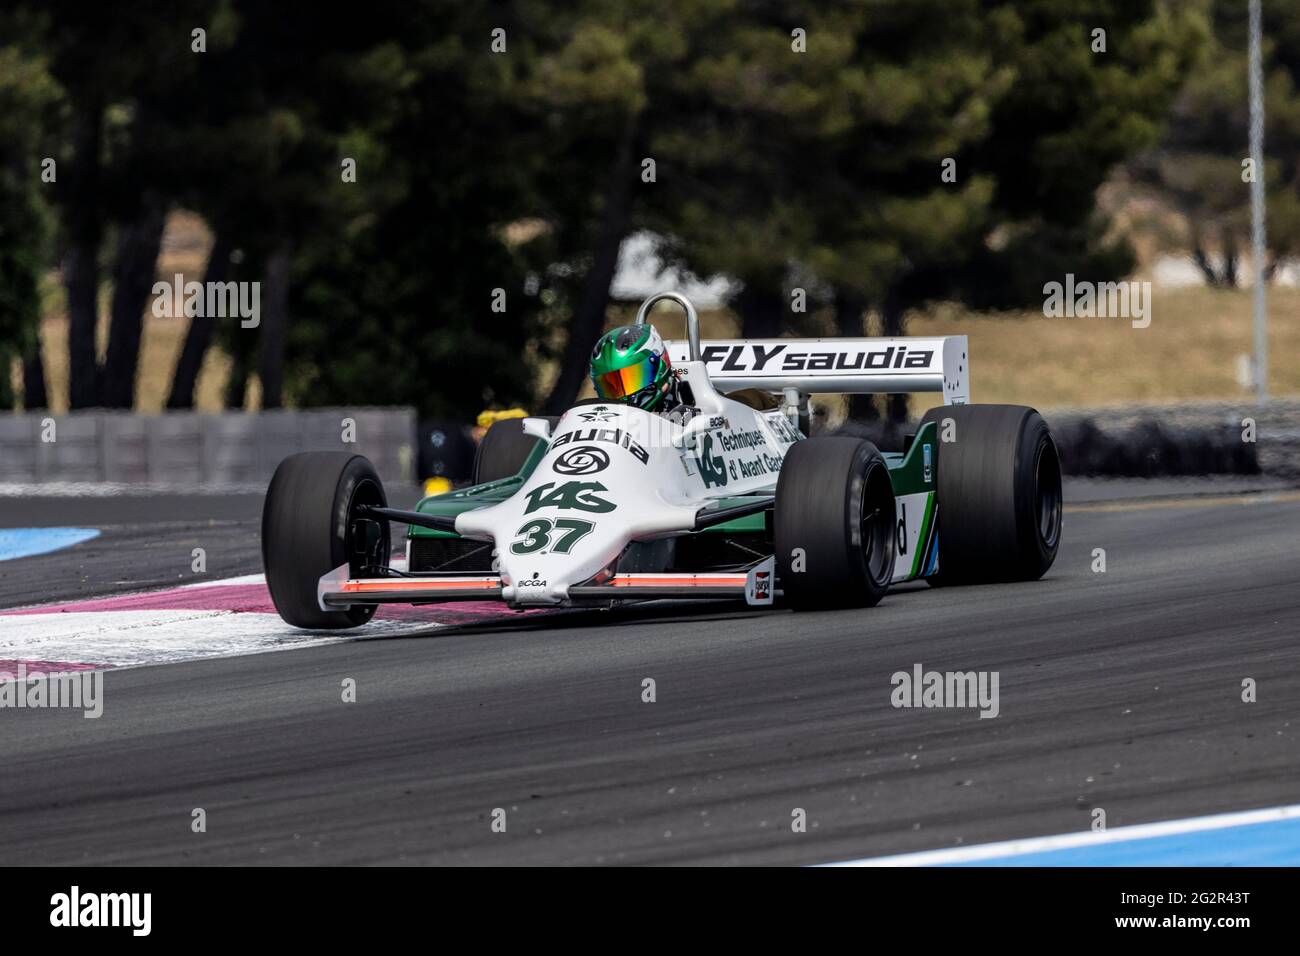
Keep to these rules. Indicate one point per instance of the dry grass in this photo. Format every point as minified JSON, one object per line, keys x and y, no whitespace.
{"x":159,"y":349}
{"x":1189,"y":352}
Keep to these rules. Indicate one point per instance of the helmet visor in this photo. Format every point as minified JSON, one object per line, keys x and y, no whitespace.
{"x":626,"y":381}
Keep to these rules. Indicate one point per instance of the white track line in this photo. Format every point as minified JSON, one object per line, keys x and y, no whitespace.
{"x":1143,"y":831}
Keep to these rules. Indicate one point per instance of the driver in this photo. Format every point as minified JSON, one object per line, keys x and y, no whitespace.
{"x":630,"y":364}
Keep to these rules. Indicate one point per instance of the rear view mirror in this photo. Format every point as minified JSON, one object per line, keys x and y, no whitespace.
{"x":538,"y":428}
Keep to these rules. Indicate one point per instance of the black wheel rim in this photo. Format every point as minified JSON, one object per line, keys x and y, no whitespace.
{"x":366,"y":492}
{"x":1047,"y":493}
{"x":877,"y":526}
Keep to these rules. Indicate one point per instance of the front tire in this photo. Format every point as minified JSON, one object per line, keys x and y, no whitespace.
{"x":834,"y":524}
{"x":503,"y":450}
{"x":310,"y":526}
{"x":999,"y":491}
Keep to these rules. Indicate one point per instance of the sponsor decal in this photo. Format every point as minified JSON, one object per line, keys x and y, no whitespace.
{"x":582,"y":460}
{"x":712,"y":467}
{"x":927,"y":460}
{"x":598,"y":414}
{"x":758,"y":582}
{"x":718,"y":470}
{"x":765,"y":464}
{"x":758,"y":359}
{"x":612,"y":436}
{"x":786,"y":433}
{"x":570,"y":496}
{"x":534,"y":582}
{"x":545,"y":536}
{"x":737,"y":441}
{"x":912,"y":563}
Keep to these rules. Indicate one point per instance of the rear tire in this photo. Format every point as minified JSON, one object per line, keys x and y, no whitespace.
{"x":309,"y":528}
{"x":999,"y":494}
{"x":503,"y":450}
{"x":834,"y":524}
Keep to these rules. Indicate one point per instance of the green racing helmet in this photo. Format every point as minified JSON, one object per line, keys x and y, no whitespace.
{"x":630,"y":364}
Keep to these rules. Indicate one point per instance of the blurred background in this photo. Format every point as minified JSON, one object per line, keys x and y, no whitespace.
{"x":444,"y":203}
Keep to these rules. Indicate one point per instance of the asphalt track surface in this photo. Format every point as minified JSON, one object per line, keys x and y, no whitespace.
{"x":1119,"y":690}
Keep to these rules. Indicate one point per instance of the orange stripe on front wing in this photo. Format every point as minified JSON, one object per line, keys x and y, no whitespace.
{"x":415,"y":584}
{"x":685,"y":581}
{"x":486,"y":584}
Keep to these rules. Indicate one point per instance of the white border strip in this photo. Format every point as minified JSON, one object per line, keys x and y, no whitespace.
{"x":1143,"y":831}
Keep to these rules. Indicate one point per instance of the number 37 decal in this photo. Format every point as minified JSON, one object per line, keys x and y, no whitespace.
{"x":536,"y":536}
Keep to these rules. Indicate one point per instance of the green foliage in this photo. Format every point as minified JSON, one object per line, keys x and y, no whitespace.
{"x":1197,"y":164}
{"x":824,"y":167}
{"x":521,"y":170}
{"x":392,"y":298}
{"x":29,"y":100}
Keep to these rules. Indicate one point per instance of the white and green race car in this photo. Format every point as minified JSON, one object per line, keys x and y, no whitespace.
{"x":611,"y":503}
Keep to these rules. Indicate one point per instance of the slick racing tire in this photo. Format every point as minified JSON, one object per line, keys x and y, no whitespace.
{"x":310,"y":526}
{"x":834,"y":524}
{"x":999,"y":494}
{"x":503,"y":450}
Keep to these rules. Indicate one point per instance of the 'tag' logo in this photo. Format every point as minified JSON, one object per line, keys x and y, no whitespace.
{"x":570,"y":496}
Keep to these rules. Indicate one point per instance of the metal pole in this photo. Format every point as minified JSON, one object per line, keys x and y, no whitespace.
{"x":1257,"y":244}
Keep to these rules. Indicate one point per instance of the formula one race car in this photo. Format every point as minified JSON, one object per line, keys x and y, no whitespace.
{"x":611,"y":503}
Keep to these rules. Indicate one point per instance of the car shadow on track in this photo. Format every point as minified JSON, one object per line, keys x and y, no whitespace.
{"x":649,"y":612}
{"x":628,"y":615}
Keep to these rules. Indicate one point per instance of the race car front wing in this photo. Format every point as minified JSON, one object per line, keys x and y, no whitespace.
{"x":755,"y":586}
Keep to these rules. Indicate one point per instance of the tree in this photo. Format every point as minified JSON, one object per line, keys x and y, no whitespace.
{"x":1200,"y":169}
{"x":828,"y":171}
{"x":29,"y":104}
{"x":874,"y":156}
{"x":394,"y":302}
{"x":594,"y":92}
{"x":113,"y":168}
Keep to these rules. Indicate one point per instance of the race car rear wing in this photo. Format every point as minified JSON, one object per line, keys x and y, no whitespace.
{"x":861,"y":366}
